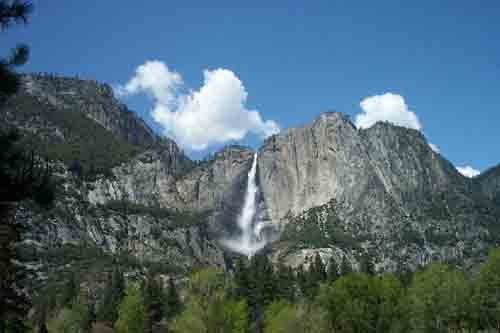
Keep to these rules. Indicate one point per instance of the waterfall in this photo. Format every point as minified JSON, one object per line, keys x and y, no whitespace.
{"x":249,"y":240}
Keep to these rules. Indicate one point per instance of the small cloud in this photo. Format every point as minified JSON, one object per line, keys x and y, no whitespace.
{"x":216,"y":113}
{"x":387,"y":107}
{"x":468,"y":171}
{"x":155,"y":78}
{"x":434,"y":147}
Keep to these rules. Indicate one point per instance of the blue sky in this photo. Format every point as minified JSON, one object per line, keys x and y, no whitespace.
{"x":295,"y":58}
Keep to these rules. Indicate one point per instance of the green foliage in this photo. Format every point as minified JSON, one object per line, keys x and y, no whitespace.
{"x":153,"y":301}
{"x":95,"y":148}
{"x":438,"y":299}
{"x":113,"y":296}
{"x":284,"y":317}
{"x":350,"y":303}
{"x":12,"y":12}
{"x":262,"y":299}
{"x":488,"y":293}
{"x":23,"y":174}
{"x":311,"y":279}
{"x":172,"y":303}
{"x":132,"y":311}
{"x":75,"y":318}
{"x":209,"y":306}
{"x":285,"y":283}
{"x":332,"y":270}
{"x":70,"y":290}
{"x":345,"y":266}
{"x":318,"y":227}
{"x":388,"y":292}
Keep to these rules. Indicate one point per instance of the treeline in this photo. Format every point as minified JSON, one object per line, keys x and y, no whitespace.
{"x":257,"y":296}
{"x":139,"y":306}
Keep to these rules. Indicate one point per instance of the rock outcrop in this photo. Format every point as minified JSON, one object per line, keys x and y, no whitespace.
{"x":380,"y":193}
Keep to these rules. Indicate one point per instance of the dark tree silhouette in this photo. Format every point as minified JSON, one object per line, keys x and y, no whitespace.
{"x":12,"y":12}
{"x":22,"y":176}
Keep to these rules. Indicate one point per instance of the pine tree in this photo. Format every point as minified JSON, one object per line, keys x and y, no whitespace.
{"x":302,"y":280}
{"x":22,"y":176}
{"x":173,"y":305}
{"x":113,"y":295}
{"x":345,"y":267}
{"x":91,"y":318}
{"x":262,"y":287}
{"x":366,"y":265}
{"x":43,"y":329}
{"x":315,"y":275}
{"x":12,"y":12}
{"x":317,"y":269}
{"x":70,"y":290}
{"x":131,"y":312}
{"x":333,"y":271}
{"x":241,"y":278}
{"x":153,"y":301}
{"x":285,"y":281}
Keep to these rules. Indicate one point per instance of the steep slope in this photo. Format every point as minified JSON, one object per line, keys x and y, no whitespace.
{"x":122,"y":191}
{"x":404,"y":162}
{"x":304,"y":167}
{"x":489,"y":183}
{"x":381,"y":192}
{"x":79,"y":121}
{"x":94,"y":100}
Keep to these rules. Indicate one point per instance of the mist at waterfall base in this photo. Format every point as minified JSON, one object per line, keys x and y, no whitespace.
{"x":250,"y":239}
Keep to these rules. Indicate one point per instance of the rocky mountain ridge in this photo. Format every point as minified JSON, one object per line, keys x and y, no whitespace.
{"x":379,"y":192}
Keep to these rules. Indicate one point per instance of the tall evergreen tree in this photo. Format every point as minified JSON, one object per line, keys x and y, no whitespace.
{"x":241,"y":278}
{"x":332,"y":270}
{"x":366,"y":265}
{"x":285,"y":281}
{"x":153,"y":301}
{"x":301,"y":278}
{"x":131,"y":312}
{"x":345,"y":266}
{"x":114,"y":293}
{"x":12,"y":12}
{"x":22,"y":176}
{"x":70,"y":290}
{"x":317,"y":269}
{"x":173,"y":305}
{"x":315,"y":275}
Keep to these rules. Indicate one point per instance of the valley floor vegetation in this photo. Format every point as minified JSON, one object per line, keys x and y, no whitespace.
{"x":257,"y":296}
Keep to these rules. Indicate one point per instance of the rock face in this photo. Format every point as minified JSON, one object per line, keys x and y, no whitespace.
{"x":380,"y":193}
{"x":93,"y":99}
{"x":154,"y":207}
{"x":301,"y":168}
{"x":489,"y":183}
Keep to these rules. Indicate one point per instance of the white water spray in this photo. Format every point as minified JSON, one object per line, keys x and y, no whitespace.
{"x":250,"y":240}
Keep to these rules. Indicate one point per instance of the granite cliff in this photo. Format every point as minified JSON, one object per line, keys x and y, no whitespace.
{"x":124,"y":191}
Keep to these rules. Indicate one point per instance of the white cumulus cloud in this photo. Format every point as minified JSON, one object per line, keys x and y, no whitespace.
{"x":154,"y":77}
{"x":216,"y":113}
{"x":468,"y":171}
{"x":387,"y":107}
